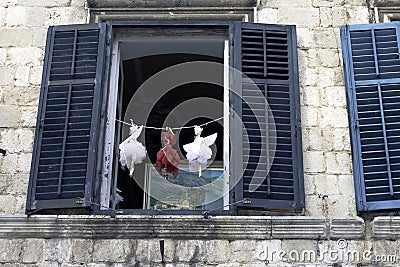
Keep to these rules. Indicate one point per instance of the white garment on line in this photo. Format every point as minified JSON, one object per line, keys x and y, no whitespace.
{"x":199,"y":151}
{"x":131,"y":151}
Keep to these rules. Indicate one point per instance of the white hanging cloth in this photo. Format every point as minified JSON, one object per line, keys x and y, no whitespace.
{"x":199,"y":151}
{"x":131,"y":151}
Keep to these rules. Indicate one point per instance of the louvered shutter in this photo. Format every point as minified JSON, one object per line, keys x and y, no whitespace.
{"x":267,"y":57}
{"x":371,"y":56}
{"x":67,"y":134}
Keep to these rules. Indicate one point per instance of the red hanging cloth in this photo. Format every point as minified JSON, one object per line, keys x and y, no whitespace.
{"x":167,"y":157}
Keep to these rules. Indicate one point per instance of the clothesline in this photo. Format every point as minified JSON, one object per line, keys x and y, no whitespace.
{"x":173,"y":128}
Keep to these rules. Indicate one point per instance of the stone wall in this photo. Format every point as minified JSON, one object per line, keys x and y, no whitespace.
{"x":326,"y":139}
{"x":326,"y":142}
{"x":23,"y":27}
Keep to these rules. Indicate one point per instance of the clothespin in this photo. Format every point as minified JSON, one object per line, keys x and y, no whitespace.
{"x":169,"y":130}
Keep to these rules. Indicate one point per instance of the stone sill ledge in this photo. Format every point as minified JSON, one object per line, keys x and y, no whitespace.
{"x":192,"y":227}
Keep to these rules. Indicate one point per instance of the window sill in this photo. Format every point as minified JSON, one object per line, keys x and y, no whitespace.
{"x":191,"y":227}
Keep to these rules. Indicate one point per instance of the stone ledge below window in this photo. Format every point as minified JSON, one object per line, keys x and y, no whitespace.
{"x":181,"y":227}
{"x":233,"y":10}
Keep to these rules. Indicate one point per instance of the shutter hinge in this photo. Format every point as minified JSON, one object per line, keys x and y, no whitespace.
{"x":246,"y":201}
{"x":356,"y":124}
{"x":80,"y":201}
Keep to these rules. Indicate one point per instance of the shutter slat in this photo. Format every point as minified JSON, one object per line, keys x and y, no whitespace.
{"x":66,"y":141}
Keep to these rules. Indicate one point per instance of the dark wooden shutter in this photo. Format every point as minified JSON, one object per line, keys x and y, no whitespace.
{"x":372,"y":73}
{"x":267,"y":57}
{"x":67,"y":134}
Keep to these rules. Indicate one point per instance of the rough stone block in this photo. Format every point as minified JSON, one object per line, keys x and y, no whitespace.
{"x":36,"y":75}
{"x":358,"y":15}
{"x":79,"y":3}
{"x":7,"y":3}
{"x":326,"y":17}
{"x":315,"y":206}
{"x":7,"y":208}
{"x":65,"y":15}
{"x":190,"y":251}
{"x":16,"y":37}
{"x":22,"y":76}
{"x":268,"y":15}
{"x":10,"y":249}
{"x":16,"y":16}
{"x":10,"y":116}
{"x":41,"y":3}
{"x":333,"y":117}
{"x":217,"y":251}
{"x":304,"y":37}
{"x":288,"y":3}
{"x":3,"y":55}
{"x":309,"y":77}
{"x":3,"y":14}
{"x":335,"y":96}
{"x":82,"y":251}
{"x":341,"y":139}
{"x":309,"y":184}
{"x":295,"y":15}
{"x":314,"y":161}
{"x":338,"y":163}
{"x":9,"y":164}
{"x":59,"y":250}
{"x":31,"y":56}
{"x":325,"y":38}
{"x":326,"y":184}
{"x":346,"y":184}
{"x":312,"y":139}
{"x":28,"y":116}
{"x":115,"y":250}
{"x":267,"y":250}
{"x":341,"y":205}
{"x":19,"y":140}
{"x":326,"y":76}
{"x":39,"y":38}
{"x":322,"y":3}
{"x":299,"y":250}
{"x":329,"y":57}
{"x":18,"y":183}
{"x":339,"y":16}
{"x":148,"y":251}
{"x":32,"y":250}
{"x":309,"y":116}
{"x":311,"y":96}
{"x":21,"y":96}
{"x":241,"y":250}
{"x":7,"y":74}
{"x":3,"y":180}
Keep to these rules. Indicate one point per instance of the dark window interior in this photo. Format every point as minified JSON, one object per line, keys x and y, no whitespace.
{"x":135,"y":72}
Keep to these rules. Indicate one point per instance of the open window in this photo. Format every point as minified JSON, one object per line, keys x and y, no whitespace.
{"x":238,"y":80}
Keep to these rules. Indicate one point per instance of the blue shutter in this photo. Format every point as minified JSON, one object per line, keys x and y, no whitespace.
{"x":372,"y":73}
{"x":67,"y":133}
{"x":267,"y":57}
